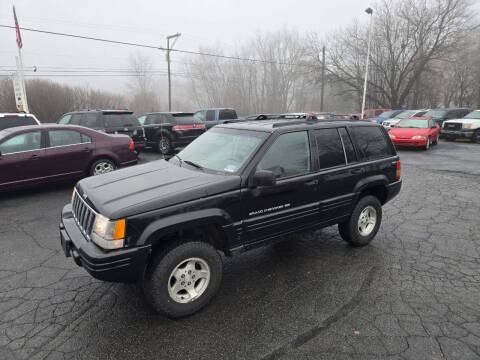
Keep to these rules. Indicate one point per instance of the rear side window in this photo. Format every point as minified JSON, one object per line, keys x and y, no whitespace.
{"x":329,"y":147}
{"x":86,"y":139}
{"x":64,"y":137}
{"x":142,"y":119}
{"x":64,"y":119}
{"x":210,"y":115}
{"x":22,"y":142}
{"x":227,"y":114}
{"x":12,"y":121}
{"x":288,"y":156}
{"x":75,"y":119}
{"x":371,"y":142}
{"x":348,"y":146}
{"x":90,"y":121}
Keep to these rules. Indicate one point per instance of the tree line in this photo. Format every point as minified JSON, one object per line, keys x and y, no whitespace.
{"x":424,"y":54}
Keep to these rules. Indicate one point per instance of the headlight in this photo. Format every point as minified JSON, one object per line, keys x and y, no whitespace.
{"x":391,"y":136}
{"x":108,"y":234}
{"x":419,"y":137}
{"x":467,"y":126}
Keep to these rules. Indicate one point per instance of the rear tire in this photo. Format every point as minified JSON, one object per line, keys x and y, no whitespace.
{"x":364,"y":222}
{"x":164,"y":145}
{"x":183,"y":279}
{"x":102,"y":166}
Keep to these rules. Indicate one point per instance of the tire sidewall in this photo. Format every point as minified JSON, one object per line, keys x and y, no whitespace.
{"x":427,"y":145}
{"x":92,"y":167}
{"x":157,"y":278}
{"x":354,"y":235}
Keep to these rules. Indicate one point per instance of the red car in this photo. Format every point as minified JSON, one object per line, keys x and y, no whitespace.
{"x":415,"y":131}
{"x":31,"y":155}
{"x":371,"y":113}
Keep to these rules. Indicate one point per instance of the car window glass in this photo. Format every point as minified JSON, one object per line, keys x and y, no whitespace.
{"x":89,"y":120}
{"x":75,"y":119}
{"x":12,"y":121}
{"x":22,"y":142}
{"x":117,"y":120}
{"x":288,"y":156}
{"x":329,"y":147}
{"x":348,"y":145}
{"x":200,"y":115}
{"x":65,"y":119}
{"x":210,"y":115}
{"x":141,"y":119}
{"x":64,"y":137}
{"x":226,"y":114}
{"x":371,"y":142}
{"x":85,"y":139}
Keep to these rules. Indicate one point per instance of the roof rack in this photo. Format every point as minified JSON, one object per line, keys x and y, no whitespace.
{"x":285,"y":122}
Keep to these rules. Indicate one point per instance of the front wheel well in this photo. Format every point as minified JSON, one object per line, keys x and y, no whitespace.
{"x":379,"y":191}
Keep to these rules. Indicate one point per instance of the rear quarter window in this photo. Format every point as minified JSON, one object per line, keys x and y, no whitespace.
{"x":372,"y":142}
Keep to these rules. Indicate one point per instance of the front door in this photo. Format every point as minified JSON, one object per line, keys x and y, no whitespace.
{"x":292,"y":203}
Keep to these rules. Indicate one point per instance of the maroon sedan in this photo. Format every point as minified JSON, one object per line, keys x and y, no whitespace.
{"x":31,"y":155}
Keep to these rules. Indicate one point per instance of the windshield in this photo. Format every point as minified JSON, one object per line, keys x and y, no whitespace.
{"x":387,"y":114}
{"x":223,"y":150}
{"x":435,"y":113}
{"x":473,"y":115}
{"x":405,"y":114}
{"x":413,"y":123}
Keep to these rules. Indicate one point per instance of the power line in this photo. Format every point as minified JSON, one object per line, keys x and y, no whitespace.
{"x":159,"y":47}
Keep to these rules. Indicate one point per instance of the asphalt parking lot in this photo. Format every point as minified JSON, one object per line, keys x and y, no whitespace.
{"x":414,"y":293}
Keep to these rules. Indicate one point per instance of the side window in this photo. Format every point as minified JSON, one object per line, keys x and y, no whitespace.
{"x":90,"y":121}
{"x":378,"y":112}
{"x":64,"y":137}
{"x":141,"y":119}
{"x":22,"y":142}
{"x":210,"y":115}
{"x":200,"y":115}
{"x":348,"y":145}
{"x":452,"y":114}
{"x":64,"y":119}
{"x":433,"y":124}
{"x":85,"y":139}
{"x":288,"y":156}
{"x":227,"y":114}
{"x":368,"y":113}
{"x":330,"y":149}
{"x":371,"y":142}
{"x":464,"y":112}
{"x":75,"y":119}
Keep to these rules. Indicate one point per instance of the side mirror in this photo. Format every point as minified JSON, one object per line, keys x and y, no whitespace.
{"x":263,"y":178}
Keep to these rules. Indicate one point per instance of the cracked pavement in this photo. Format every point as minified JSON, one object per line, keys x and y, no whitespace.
{"x":414,"y":293}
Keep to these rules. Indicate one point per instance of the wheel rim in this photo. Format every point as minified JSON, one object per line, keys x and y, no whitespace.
{"x":367,"y":220}
{"x":188,"y":280}
{"x":103,"y":167}
{"x":163,"y":145}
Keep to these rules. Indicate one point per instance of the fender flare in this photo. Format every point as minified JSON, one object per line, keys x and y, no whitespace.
{"x":370,"y":182}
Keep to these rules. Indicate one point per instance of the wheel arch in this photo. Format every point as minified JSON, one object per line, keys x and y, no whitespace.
{"x":375,"y":185}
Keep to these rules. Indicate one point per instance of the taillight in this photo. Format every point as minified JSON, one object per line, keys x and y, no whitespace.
{"x":399,"y":170}
{"x":188,"y":127}
{"x":132,"y":145}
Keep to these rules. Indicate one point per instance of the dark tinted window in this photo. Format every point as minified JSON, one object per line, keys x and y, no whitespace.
{"x":371,"y":142}
{"x":330,"y":149}
{"x":13,"y":120}
{"x":288,"y":156}
{"x":22,"y":142}
{"x":120,"y":120}
{"x":90,"y":121}
{"x":227,"y":114}
{"x":347,"y":144}
{"x":210,"y":115}
{"x":64,"y":137}
{"x":200,"y":115}
{"x":75,"y":119}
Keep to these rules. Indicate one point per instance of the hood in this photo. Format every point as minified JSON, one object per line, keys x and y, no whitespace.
{"x":151,"y":186}
{"x":408,"y":132}
{"x":462,"y":120}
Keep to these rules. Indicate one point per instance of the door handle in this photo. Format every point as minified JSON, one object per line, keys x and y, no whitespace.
{"x":357,"y":171}
{"x":312,"y":182}
{"x":87,"y":150}
{"x":34,"y":157}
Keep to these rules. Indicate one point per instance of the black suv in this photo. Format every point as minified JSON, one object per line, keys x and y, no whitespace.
{"x":166,"y":131}
{"x":236,"y":187}
{"x":109,"y":121}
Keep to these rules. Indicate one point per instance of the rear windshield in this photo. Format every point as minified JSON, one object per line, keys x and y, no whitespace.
{"x":120,"y":120}
{"x":14,"y":120}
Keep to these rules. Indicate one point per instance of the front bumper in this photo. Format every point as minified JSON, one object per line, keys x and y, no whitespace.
{"x":409,"y":142}
{"x":455,"y":134}
{"x":125,"y":265}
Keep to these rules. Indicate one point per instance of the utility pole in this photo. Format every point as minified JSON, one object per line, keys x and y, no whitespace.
{"x":369,"y":11}
{"x":323,"y":78}
{"x":175,"y":37}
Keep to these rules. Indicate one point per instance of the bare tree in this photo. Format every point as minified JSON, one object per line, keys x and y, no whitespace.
{"x":142,"y":94}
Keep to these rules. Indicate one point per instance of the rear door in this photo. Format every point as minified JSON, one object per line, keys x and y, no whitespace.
{"x":210,"y":118}
{"x":68,"y":153}
{"x":21,"y":159}
{"x":339,"y":172}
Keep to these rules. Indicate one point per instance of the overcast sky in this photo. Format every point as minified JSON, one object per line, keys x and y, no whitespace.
{"x":216,"y":24}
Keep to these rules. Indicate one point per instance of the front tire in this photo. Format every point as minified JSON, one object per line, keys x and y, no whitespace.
{"x":364,"y":222}
{"x":183,"y":279}
{"x":102,"y":166}
{"x":427,"y":145}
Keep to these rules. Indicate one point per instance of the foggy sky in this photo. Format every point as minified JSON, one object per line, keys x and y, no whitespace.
{"x":216,"y":24}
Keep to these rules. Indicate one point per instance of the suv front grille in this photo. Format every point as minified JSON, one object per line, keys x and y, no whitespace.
{"x":83,"y":214}
{"x":453,"y":126}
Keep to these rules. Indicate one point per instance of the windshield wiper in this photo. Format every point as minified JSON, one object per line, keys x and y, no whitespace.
{"x":193,"y":164}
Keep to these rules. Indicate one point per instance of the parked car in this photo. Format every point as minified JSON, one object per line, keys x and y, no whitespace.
{"x":166,"y":131}
{"x":440,"y":115}
{"x":212,"y":117}
{"x":372,"y":113}
{"x":386,"y":116}
{"x":467,"y":127}
{"x":31,"y":155}
{"x":236,"y":187}
{"x":415,"y":132}
{"x":8,"y":120}
{"x":388,"y":124}
{"x":109,"y":121}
